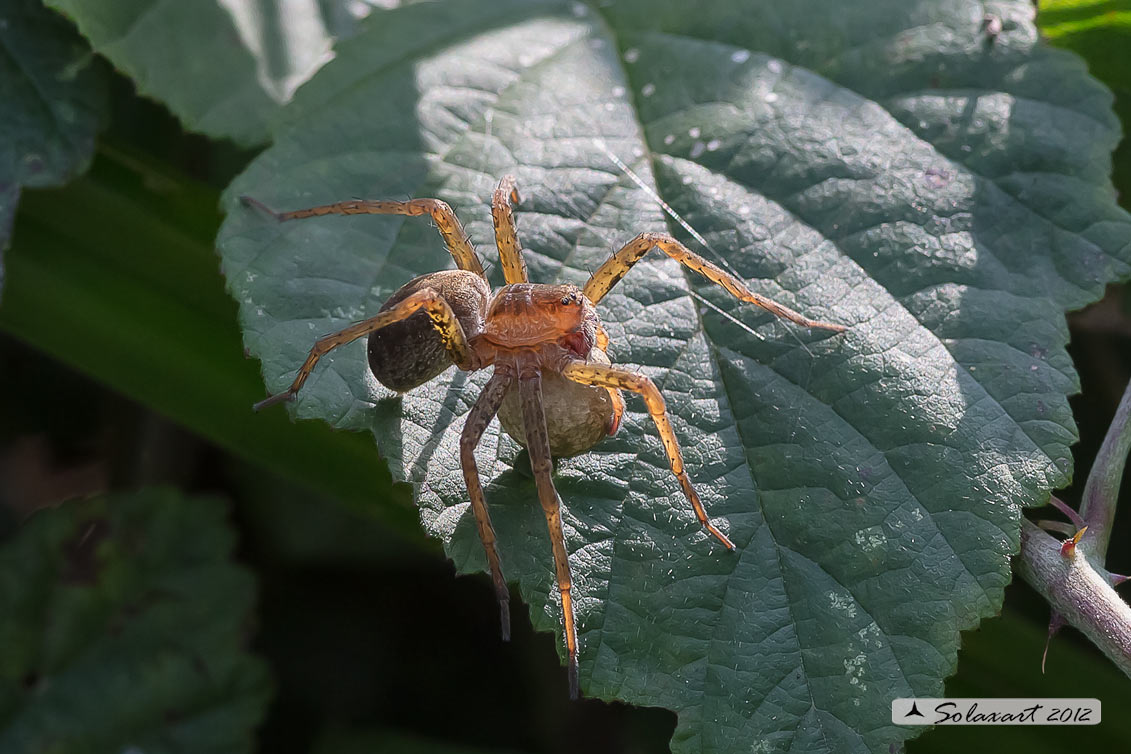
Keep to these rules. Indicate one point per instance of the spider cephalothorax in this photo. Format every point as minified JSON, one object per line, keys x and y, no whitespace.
{"x":553,"y":386}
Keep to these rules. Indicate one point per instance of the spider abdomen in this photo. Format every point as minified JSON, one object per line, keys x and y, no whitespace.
{"x":407,"y":354}
{"x":577,"y":416}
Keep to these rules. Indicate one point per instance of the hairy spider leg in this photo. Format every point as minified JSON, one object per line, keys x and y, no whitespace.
{"x":615,"y":267}
{"x":538,"y":446}
{"x":478,"y":418}
{"x":595,"y":374}
{"x":506,"y":232}
{"x":443,"y":319}
{"x":442,"y":215}
{"x":614,"y":394}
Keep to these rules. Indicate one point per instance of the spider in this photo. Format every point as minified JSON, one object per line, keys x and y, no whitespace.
{"x":553,"y":386}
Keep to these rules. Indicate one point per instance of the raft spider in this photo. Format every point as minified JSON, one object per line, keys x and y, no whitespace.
{"x":526,"y":331}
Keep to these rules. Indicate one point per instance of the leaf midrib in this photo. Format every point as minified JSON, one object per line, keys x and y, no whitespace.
{"x":650,"y":156}
{"x":649,"y":159}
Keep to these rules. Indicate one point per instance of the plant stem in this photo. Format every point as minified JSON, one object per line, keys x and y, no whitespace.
{"x":1102,"y":489}
{"x":1076,"y":519}
{"x":1078,"y":592}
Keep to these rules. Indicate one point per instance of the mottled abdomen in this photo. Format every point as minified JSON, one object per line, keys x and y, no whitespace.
{"x":577,"y":416}
{"x":406,"y":354}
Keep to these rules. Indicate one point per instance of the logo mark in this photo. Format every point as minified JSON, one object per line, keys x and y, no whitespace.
{"x":922,"y":711}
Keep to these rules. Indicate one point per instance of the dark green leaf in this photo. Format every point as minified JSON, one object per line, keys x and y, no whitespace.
{"x":895,"y":167}
{"x":123,"y":623}
{"x":52,"y":98}
{"x":127,"y":290}
{"x":223,"y":68}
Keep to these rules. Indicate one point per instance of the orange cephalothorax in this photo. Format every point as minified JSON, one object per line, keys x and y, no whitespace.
{"x":524,"y":315}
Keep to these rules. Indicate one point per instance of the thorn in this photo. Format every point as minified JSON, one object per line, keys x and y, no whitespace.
{"x":1056,"y":622}
{"x":1068,"y":547}
{"x":1117,"y":579}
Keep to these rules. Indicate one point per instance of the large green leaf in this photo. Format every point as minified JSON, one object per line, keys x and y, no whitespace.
{"x":224,"y":67}
{"x":52,"y":98}
{"x":122,"y":622}
{"x":897,"y":167}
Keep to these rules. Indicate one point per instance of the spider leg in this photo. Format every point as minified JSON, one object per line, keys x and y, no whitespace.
{"x":443,"y":319}
{"x":538,"y":445}
{"x":480,"y":416}
{"x":615,"y":267}
{"x":506,"y":232}
{"x":595,"y":374}
{"x":614,"y":394}
{"x":442,"y":215}
{"x":618,"y":410}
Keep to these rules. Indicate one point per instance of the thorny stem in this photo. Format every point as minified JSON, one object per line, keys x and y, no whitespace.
{"x":1073,"y":580}
{"x":1102,"y":488}
{"x":1078,"y":592}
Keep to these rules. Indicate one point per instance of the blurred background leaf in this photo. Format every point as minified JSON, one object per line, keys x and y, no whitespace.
{"x":53,"y":96}
{"x":123,"y":625}
{"x":224,"y":67}
{"x":128,"y":290}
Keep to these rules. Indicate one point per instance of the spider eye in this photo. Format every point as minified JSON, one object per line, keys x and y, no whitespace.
{"x":566,"y":300}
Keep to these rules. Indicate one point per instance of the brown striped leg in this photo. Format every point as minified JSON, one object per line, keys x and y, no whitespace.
{"x":538,"y":446}
{"x":506,"y":233}
{"x":618,"y":410}
{"x":615,"y":267}
{"x":595,"y":374}
{"x":443,"y":319}
{"x":614,"y":394}
{"x":442,"y":215}
{"x":477,"y":420}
